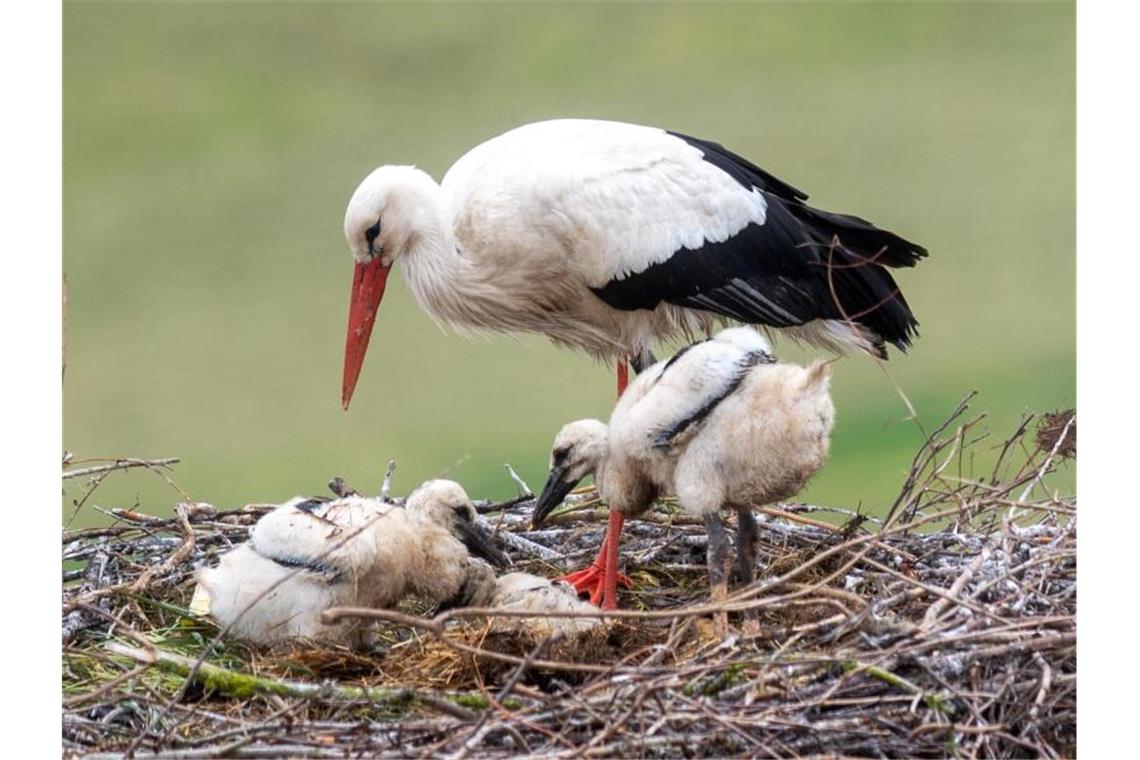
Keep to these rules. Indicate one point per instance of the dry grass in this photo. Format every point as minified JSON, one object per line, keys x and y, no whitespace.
{"x":945,"y":629}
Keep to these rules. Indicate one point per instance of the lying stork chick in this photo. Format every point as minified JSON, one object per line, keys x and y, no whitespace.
{"x":525,"y":592}
{"x":720,"y":424}
{"x":309,"y":555}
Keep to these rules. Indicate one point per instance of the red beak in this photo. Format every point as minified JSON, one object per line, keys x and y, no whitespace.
{"x":367,"y":289}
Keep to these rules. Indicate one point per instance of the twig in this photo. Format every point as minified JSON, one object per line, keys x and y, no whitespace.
{"x":341,"y":489}
{"x":955,"y":589}
{"x":232,"y":683}
{"x":1040,"y":473}
{"x":180,"y":554}
{"x":386,"y":484}
{"x":524,"y":489}
{"x":528,"y":547}
{"x":120,"y":464}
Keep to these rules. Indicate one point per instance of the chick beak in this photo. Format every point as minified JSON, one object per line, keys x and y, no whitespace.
{"x":479,"y":542}
{"x":555,"y":490}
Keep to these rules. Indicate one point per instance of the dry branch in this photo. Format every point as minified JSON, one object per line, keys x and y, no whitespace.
{"x":242,"y":685}
{"x":119,"y":464}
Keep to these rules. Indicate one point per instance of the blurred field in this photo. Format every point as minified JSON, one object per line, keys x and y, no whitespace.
{"x":209,"y":150}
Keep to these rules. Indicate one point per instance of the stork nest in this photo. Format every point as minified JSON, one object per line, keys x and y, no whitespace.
{"x":943,"y":628}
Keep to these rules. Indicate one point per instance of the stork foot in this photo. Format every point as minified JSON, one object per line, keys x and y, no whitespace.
{"x":600,"y":580}
{"x":592,"y":581}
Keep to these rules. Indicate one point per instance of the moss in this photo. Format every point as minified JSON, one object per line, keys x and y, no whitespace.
{"x":231,"y":684}
{"x":473,"y":701}
{"x":734,"y":673}
{"x":930,"y":699}
{"x":731,"y":675}
{"x":938,"y":704}
{"x":480,"y":702}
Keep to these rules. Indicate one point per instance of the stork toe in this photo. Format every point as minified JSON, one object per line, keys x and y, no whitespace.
{"x":592,"y":581}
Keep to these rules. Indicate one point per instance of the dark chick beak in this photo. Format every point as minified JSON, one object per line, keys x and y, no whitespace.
{"x":552,"y":495}
{"x":479,"y":542}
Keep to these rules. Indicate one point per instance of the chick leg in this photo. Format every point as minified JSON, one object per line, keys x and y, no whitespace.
{"x":744,"y":571}
{"x":718,"y":569}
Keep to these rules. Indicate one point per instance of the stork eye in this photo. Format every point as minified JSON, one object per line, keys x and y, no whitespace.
{"x":372,"y":232}
{"x":559,"y":455}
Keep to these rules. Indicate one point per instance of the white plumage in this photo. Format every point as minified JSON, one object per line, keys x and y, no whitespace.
{"x":525,"y":592}
{"x":618,"y":196}
{"x":607,"y":236}
{"x":720,"y":424}
{"x":356,"y":551}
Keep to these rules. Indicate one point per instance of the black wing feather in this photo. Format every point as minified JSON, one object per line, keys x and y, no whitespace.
{"x":802,"y":264}
{"x":741,"y":169}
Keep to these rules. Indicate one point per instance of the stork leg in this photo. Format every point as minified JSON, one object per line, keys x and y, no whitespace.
{"x":600,"y":580}
{"x":718,"y":569}
{"x":744,"y":572}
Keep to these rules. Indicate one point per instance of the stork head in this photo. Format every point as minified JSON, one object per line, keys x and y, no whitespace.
{"x":445,"y":503}
{"x":385,"y":216}
{"x":578,"y":450}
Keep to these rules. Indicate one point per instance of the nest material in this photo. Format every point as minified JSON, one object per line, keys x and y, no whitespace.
{"x":945,"y":629}
{"x":1058,"y":430}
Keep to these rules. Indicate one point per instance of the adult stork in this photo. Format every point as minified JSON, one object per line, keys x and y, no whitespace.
{"x":607,"y":237}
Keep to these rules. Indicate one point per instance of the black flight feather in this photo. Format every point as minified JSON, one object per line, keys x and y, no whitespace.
{"x":329,"y":571}
{"x":802,"y":264}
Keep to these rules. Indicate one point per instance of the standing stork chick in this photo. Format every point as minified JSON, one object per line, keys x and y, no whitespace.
{"x":720,"y":424}
{"x":309,"y":555}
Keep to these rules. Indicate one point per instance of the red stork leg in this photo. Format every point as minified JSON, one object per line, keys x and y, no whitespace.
{"x":600,"y":580}
{"x":612,"y":577}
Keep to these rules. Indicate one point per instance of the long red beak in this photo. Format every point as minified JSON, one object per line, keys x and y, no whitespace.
{"x":367,"y":289}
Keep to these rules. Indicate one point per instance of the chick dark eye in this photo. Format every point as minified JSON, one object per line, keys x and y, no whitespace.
{"x":372,"y":233}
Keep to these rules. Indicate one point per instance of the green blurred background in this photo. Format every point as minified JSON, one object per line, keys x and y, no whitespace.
{"x":209,"y":150}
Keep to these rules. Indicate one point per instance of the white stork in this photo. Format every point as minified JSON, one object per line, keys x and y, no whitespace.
{"x":721,"y":424}
{"x":607,"y":237}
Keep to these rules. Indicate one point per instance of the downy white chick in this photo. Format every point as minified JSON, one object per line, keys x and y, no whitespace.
{"x":525,"y":592}
{"x":354,"y":551}
{"x":720,"y":424}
